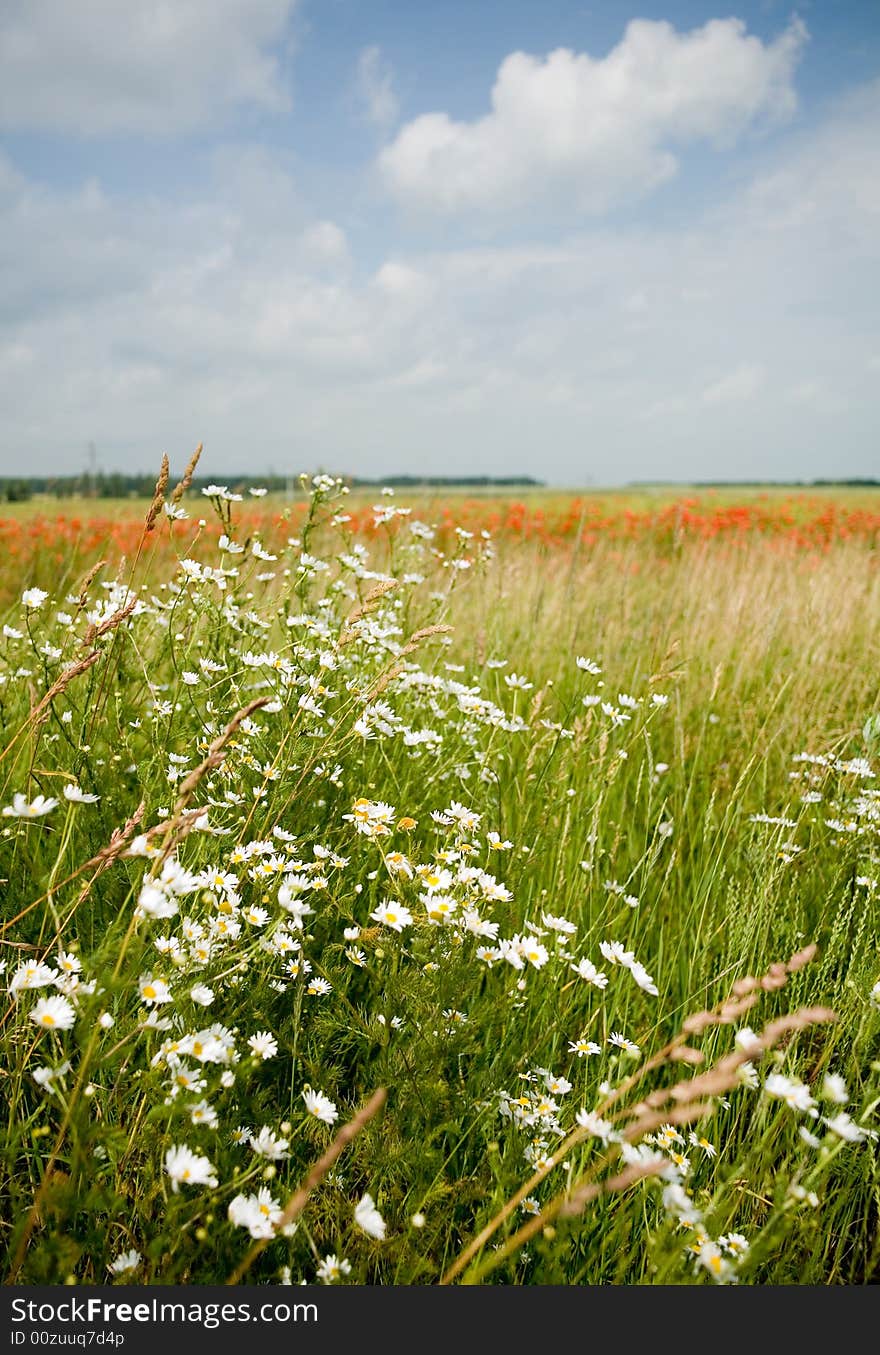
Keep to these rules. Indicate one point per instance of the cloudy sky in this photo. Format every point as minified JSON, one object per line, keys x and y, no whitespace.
{"x":588,"y":242}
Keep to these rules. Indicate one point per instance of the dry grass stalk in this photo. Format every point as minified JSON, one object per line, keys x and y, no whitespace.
{"x":723,"y":1014}
{"x":214,"y":756}
{"x":94,"y":632}
{"x":116,"y":847}
{"x":73,"y":670}
{"x":364,"y":608}
{"x":102,"y":860}
{"x":184,"y":483}
{"x":158,"y":495}
{"x":118,"y":839}
{"x":64,"y":679}
{"x":39,"y":712}
{"x":696,"y":1103}
{"x":82,"y":599}
{"x":691,"y":1096}
{"x":384,"y":680}
{"x":419,"y":635}
{"x":297,"y":1202}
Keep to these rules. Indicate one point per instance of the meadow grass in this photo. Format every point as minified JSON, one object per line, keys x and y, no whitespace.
{"x":505,"y":819}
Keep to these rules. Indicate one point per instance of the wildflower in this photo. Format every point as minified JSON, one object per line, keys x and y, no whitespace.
{"x":319,"y":987}
{"x":643,"y":978}
{"x":332,"y":1269}
{"x":153,"y":991}
{"x":188,"y":1168}
{"x":21,"y":809}
{"x":259,"y":1213}
{"x":584,"y":1047}
{"x":734,"y":1243}
{"x":703,"y":1143}
{"x":126,"y":1261}
{"x":536,"y":954}
{"x":77,"y":796}
{"x":585,"y":969}
{"x":33,"y":598}
{"x":154,"y":902}
{"x":202,"y":994}
{"x":265,"y":1144}
{"x":614,"y":953}
{"x":834,"y":1089}
{"x":628,"y":1046}
{"x":320,"y":1106}
{"x":795,"y":1094}
{"x":495,"y":842}
{"x":398,"y":864}
{"x":393,"y":915}
{"x":368,"y":1218}
{"x":595,"y":1125}
{"x":201,"y":1112}
{"x":845,"y":1127}
{"x":558,"y":924}
{"x":53,"y":1013}
{"x":32,"y":975}
{"x":263,"y":1045}
{"x":711,"y":1259}
{"x":372,"y":818}
{"x":467,"y":819}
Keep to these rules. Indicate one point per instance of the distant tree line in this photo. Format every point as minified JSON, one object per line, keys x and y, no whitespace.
{"x":853,"y":483}
{"x":119,"y":485}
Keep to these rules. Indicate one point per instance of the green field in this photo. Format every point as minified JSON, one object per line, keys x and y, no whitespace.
{"x":504,"y":866}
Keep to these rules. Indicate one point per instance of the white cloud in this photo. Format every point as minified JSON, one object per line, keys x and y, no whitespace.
{"x":834,"y":180}
{"x":105,"y":67}
{"x":596,"y":130}
{"x":737,"y":345}
{"x":743,"y":383}
{"x":375,"y":86}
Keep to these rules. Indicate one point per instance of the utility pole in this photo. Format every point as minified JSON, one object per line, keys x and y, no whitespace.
{"x":93,"y":471}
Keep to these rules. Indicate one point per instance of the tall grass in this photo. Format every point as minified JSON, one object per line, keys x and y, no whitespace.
{"x":361,"y":818}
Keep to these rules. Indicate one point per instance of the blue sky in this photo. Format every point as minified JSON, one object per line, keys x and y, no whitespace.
{"x":583,"y":241}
